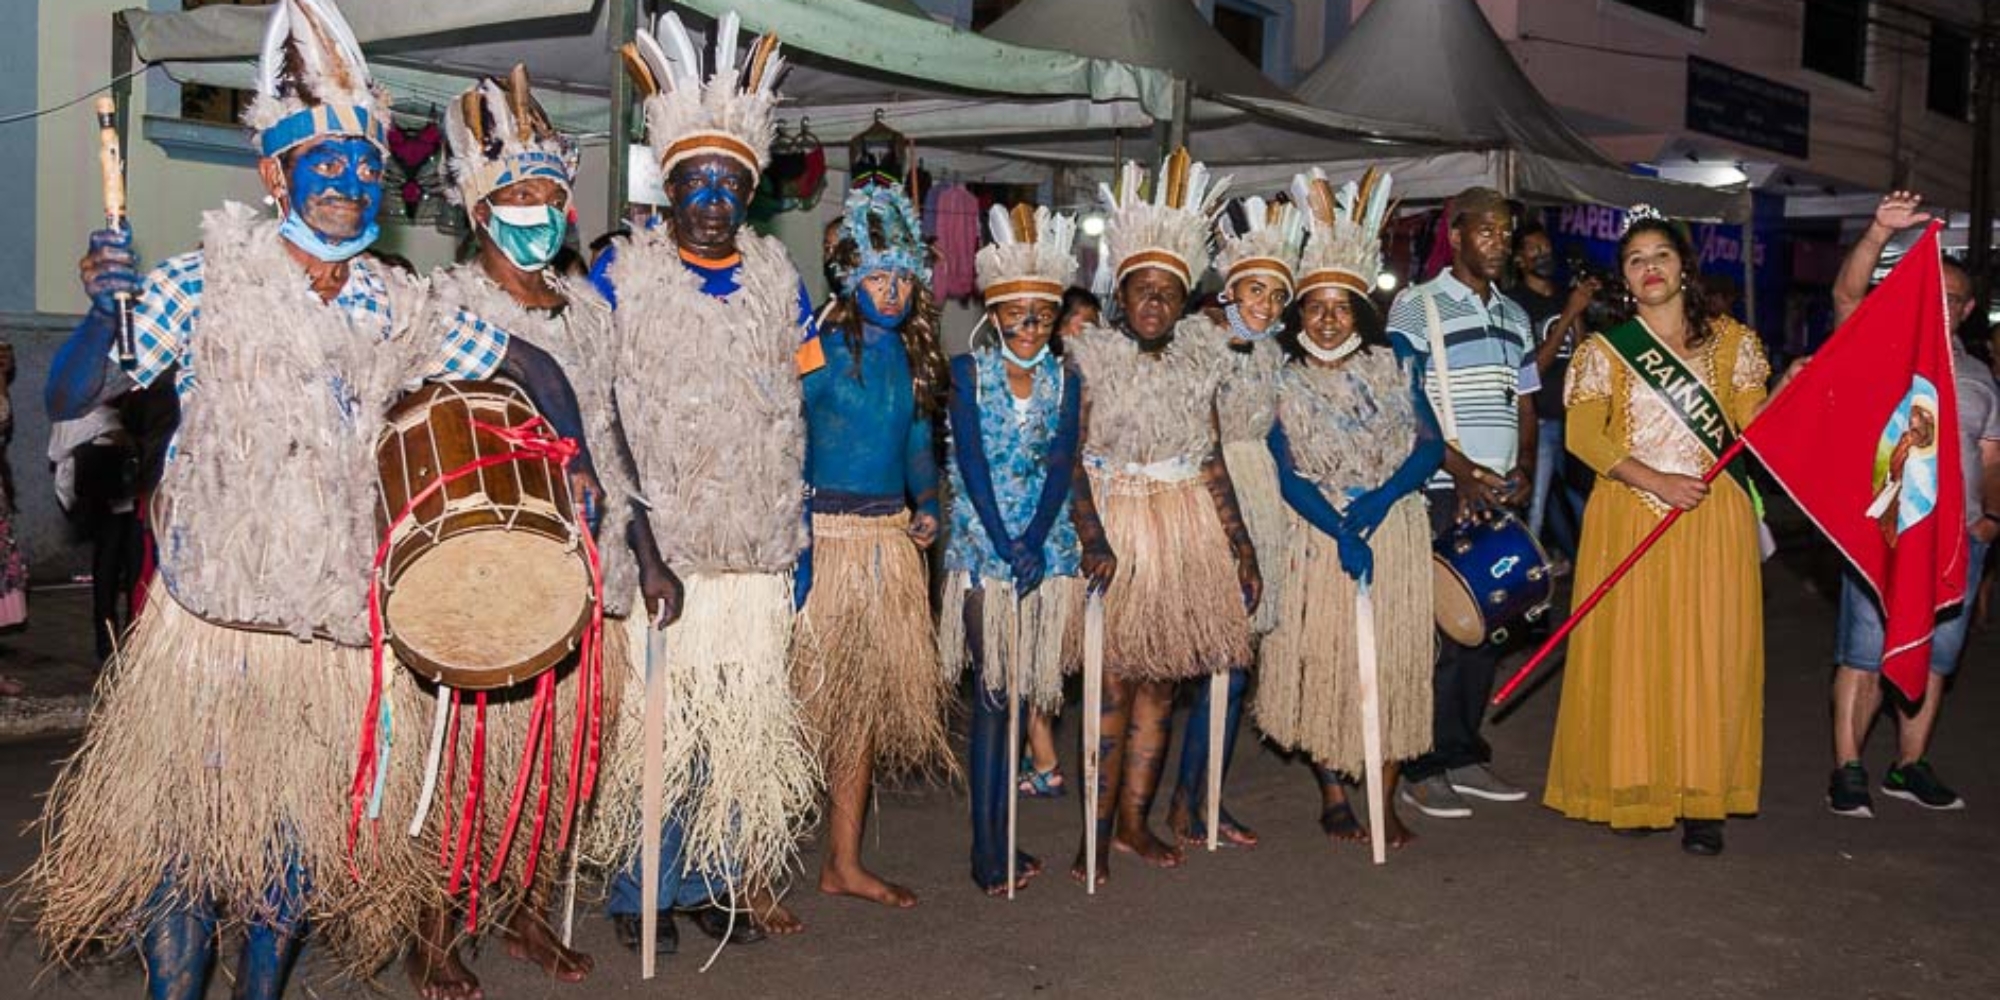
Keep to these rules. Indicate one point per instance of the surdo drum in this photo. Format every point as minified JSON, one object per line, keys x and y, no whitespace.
{"x":486,"y":583}
{"x":1486,"y":575}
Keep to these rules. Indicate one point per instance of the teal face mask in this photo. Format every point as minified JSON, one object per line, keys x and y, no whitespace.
{"x":529,"y":235}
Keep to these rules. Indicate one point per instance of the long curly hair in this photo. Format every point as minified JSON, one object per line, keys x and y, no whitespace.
{"x":930,"y":374}
{"x":1694,"y":303}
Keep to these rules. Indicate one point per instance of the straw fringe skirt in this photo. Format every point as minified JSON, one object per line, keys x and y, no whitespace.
{"x":1050,"y":624}
{"x":1309,"y":681}
{"x":1255,"y":476}
{"x":213,"y":757}
{"x":1175,"y":609}
{"x":866,"y":669}
{"x":739,"y":773}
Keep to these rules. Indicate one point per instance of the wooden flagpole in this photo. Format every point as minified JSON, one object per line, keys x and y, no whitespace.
{"x":652,"y":788}
{"x":1218,"y":718}
{"x":1013,"y":748}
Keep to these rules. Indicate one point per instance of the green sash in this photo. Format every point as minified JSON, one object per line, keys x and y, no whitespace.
{"x":1686,"y":397}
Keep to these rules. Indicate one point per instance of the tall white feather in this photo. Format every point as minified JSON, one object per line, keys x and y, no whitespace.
{"x":679,"y":50}
{"x":725,"y":41}
{"x":271,"y":59}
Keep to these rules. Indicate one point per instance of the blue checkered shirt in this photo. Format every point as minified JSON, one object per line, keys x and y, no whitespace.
{"x":163,"y":324}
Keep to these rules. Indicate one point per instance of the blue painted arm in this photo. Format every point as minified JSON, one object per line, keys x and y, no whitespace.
{"x":968,"y":448}
{"x":82,"y":376}
{"x":1062,"y":455}
{"x":548,"y":388}
{"x":920,"y":471}
{"x":1366,"y":511}
{"x":1300,"y":493}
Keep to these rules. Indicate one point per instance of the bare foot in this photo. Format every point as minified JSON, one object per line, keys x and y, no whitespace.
{"x":1026,"y":867}
{"x":530,"y":939}
{"x":1190,"y":831}
{"x":1392,"y":826}
{"x":437,"y":973}
{"x":770,"y":914}
{"x":861,"y":883}
{"x":1080,"y":871}
{"x":1135,"y":838}
{"x":1340,"y":824}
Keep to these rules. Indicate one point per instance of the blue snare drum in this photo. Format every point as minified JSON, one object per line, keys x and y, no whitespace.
{"x":1486,"y":575}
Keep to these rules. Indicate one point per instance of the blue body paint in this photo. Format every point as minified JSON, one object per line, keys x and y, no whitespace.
{"x":339,"y":167}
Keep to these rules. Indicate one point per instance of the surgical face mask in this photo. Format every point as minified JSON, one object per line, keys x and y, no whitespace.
{"x":529,"y":235}
{"x":338,"y":167}
{"x":1021,"y":362}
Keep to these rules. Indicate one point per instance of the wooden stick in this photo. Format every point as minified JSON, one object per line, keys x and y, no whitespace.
{"x":1093,"y":729}
{"x":652,"y":788}
{"x":1218,"y":718}
{"x":1590,"y":603}
{"x":1371,"y":723}
{"x":1013,"y":747}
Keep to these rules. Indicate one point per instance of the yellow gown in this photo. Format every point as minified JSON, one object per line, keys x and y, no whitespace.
{"x":1662,"y":712}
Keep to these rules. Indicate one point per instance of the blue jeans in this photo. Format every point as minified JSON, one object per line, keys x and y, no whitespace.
{"x":1554,"y":504}
{"x":679,"y":889}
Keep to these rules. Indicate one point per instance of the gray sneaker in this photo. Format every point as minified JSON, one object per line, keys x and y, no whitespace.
{"x":1479,"y":781}
{"x":1433,"y":797}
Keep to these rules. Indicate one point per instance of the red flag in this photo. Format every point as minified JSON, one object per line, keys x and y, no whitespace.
{"x":1866,"y":440}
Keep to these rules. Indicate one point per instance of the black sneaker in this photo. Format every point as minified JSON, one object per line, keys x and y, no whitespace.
{"x":1918,"y":783}
{"x":1847,"y":792}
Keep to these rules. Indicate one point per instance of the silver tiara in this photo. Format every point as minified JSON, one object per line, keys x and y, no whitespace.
{"x":1637,"y":214}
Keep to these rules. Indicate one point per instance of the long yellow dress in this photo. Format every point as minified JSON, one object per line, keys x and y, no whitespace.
{"x":1662,"y":713}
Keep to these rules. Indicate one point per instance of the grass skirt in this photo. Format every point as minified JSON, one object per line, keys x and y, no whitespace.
{"x":867,"y":668}
{"x":1255,"y":476}
{"x":1175,"y":609}
{"x":213,"y":756}
{"x":739,"y":772}
{"x":1050,"y":626}
{"x":1309,"y":679}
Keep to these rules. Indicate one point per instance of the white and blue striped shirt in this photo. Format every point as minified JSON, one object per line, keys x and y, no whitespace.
{"x":1491,"y":355}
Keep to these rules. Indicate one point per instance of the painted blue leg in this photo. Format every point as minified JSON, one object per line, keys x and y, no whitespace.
{"x":1191,"y":786}
{"x":178,"y":945}
{"x":992,"y":766}
{"x":271,"y":943}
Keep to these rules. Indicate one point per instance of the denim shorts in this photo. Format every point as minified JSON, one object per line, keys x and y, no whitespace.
{"x":1860,"y":637}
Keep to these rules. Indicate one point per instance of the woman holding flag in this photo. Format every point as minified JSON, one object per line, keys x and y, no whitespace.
{"x":1662,"y":700}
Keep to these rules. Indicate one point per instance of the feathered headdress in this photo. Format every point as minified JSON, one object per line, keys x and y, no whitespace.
{"x":312,"y":81}
{"x":1170,"y":230}
{"x":500,"y":135}
{"x":1031,"y":256}
{"x":883,"y":210}
{"x":1273,"y":236}
{"x":731,"y":111}
{"x":1345,"y":249}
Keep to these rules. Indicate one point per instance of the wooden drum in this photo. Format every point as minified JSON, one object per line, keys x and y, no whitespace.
{"x":486,"y":582}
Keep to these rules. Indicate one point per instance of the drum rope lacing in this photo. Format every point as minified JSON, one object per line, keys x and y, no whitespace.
{"x":460,"y":854}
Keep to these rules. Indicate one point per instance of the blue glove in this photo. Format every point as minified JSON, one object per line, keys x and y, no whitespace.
{"x":110,"y":267}
{"x":1357,"y":560}
{"x":1028,"y":566}
{"x":1365,"y":512}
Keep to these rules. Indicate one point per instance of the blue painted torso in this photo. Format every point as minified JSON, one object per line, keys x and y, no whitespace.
{"x":865,"y":437}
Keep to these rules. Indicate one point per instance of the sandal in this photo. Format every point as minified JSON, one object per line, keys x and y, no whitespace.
{"x":1339,"y":822}
{"x":1047,"y":784}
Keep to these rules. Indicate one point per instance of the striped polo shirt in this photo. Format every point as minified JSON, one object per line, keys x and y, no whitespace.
{"x":1490,"y":353}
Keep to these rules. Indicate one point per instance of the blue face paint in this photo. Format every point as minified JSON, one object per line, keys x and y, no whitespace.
{"x":871,"y":312}
{"x":338,"y":167}
{"x":699,"y":188}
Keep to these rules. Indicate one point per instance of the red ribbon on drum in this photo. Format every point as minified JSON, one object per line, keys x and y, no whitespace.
{"x":459,"y":851}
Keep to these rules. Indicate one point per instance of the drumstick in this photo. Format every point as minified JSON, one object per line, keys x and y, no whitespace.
{"x":1371,"y":721}
{"x":1093,"y":729}
{"x":1218,"y":718}
{"x":111,"y":163}
{"x":652,"y":780}
{"x":1013,"y":745}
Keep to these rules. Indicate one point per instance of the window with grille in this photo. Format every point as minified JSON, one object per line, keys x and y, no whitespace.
{"x":1836,"y":39}
{"x":218,"y":105}
{"x":1949,"y":88}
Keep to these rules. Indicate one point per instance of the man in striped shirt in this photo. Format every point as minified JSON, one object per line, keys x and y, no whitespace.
{"x":1486,"y":400}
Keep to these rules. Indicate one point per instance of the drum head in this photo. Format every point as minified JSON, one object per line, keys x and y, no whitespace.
{"x":490,"y":608}
{"x":1457,"y":610}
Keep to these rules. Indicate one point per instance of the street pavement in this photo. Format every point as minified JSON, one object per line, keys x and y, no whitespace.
{"x":1514,"y":902}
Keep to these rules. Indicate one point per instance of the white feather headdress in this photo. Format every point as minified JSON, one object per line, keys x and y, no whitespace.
{"x":1032,"y":255}
{"x":1345,"y":248}
{"x":730,"y":111}
{"x":1170,"y":230}
{"x":1273,"y":236}
{"x":499,"y":135}
{"x":312,"y":81}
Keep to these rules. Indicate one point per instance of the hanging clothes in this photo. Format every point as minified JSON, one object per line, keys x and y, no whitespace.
{"x":951,"y":217}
